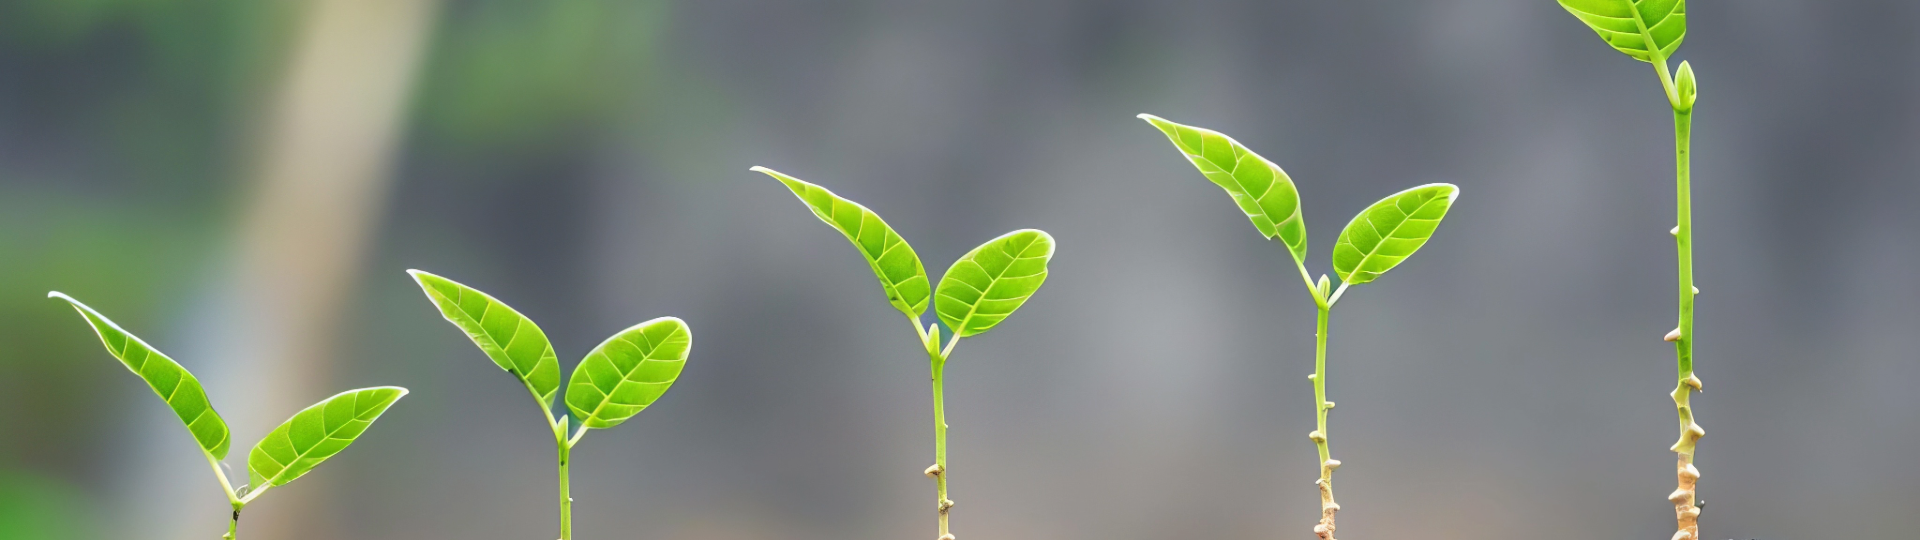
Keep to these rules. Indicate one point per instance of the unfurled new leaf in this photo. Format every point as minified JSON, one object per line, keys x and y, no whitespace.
{"x":171,"y":382}
{"x":628,"y":371}
{"x":1644,"y":29}
{"x":893,"y":261}
{"x":1387,"y":232}
{"x":1261,"y":189}
{"x":509,"y":338}
{"x":988,"y":283}
{"x":317,"y":433}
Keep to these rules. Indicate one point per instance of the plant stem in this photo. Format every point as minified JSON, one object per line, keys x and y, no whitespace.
{"x":232,"y":526}
{"x":565,"y":448}
{"x":939,"y":469}
{"x":1327,"y":464}
{"x":1686,"y":513}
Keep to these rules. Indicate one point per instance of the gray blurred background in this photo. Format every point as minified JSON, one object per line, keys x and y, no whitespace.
{"x":243,"y":182}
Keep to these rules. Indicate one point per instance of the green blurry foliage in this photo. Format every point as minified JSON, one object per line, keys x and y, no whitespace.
{"x":509,"y":73}
{"x":35,"y":507}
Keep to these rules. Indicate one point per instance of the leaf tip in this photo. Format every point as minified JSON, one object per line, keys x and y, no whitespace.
{"x":421,"y":276}
{"x":1158,"y":122}
{"x":794,"y":184}
{"x":60,"y":295}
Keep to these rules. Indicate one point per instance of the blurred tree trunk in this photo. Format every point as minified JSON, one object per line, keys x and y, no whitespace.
{"x":331,"y":128}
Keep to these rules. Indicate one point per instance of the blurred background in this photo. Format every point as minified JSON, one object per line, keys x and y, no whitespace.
{"x":242,"y":183}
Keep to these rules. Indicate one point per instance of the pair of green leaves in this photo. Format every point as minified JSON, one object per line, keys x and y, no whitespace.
{"x":290,"y":451}
{"x":981,"y":289}
{"x":1375,"y":241}
{"x":618,"y":379}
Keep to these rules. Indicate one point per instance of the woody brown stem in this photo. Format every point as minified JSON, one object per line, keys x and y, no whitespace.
{"x":1328,"y":508}
{"x":1685,"y":511}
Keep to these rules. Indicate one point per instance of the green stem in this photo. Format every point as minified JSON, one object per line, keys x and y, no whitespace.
{"x":566,"y":493}
{"x":232,"y":526}
{"x":1683,"y":238}
{"x":939,"y":469}
{"x":1320,"y":380}
{"x":1327,"y":464}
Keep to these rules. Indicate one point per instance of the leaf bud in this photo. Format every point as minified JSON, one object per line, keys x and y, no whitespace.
{"x":1687,"y":88}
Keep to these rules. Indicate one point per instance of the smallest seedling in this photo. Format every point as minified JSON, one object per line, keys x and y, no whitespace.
{"x":290,"y":451}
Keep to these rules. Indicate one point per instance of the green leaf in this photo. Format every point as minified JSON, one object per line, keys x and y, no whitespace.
{"x":892,"y":260}
{"x":988,"y":283}
{"x":1387,"y":232}
{"x":1644,"y":29}
{"x":1261,"y":189}
{"x":317,"y":433}
{"x":628,"y":371}
{"x":509,"y":338}
{"x":171,"y":382}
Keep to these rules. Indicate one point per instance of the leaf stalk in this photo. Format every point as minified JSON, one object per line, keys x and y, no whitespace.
{"x":233,"y":497}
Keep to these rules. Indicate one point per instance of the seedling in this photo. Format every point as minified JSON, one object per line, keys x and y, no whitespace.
{"x":1650,"y":31}
{"x":619,"y":378}
{"x":1375,"y":241}
{"x":977,"y":292}
{"x":289,"y":451}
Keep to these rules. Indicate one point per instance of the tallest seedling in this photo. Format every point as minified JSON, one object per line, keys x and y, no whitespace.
{"x":1650,"y":31}
{"x":1375,"y":241}
{"x":978,"y":291}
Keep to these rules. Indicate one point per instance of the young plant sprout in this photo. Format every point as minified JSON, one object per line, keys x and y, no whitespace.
{"x":619,"y":378}
{"x":977,"y":292}
{"x":289,"y":451}
{"x":1650,"y":31}
{"x":1375,"y":241}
